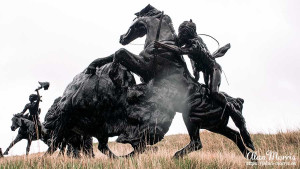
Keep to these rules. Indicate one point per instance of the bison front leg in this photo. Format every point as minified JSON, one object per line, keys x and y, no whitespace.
{"x":51,"y":149}
{"x":63,"y":146}
{"x":103,"y":147}
{"x":88,"y":147}
{"x":17,"y":139}
{"x":195,"y":142}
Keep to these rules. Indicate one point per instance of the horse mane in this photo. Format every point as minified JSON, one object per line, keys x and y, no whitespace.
{"x":25,"y":119}
{"x":148,"y":11}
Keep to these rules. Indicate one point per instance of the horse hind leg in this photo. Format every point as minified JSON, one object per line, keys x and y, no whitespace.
{"x":236,"y":138}
{"x":240,"y":122}
{"x":195,"y":142}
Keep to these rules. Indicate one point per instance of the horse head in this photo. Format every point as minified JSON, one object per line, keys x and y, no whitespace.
{"x":16,"y":122}
{"x":146,"y":23}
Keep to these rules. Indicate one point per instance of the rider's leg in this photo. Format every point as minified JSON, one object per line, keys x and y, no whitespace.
{"x":215,"y":81}
{"x":37,"y":125}
{"x":214,"y":84}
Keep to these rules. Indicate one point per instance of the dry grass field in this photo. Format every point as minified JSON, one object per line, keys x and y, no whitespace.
{"x":217,"y":152}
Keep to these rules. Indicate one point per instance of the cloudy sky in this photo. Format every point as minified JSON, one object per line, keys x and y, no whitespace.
{"x":55,"y":40}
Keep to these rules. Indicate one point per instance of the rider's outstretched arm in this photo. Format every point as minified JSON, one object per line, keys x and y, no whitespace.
{"x":165,"y":46}
{"x":25,"y":109}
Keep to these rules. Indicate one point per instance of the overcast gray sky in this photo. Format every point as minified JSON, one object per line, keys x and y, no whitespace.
{"x":55,"y":40}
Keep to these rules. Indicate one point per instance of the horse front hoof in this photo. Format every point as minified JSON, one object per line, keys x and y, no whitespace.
{"x":251,"y":146}
{"x":5,"y":153}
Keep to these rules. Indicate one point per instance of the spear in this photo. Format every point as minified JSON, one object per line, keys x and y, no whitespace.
{"x":156,"y":39}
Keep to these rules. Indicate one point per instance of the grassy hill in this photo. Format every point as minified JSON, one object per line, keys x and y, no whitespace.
{"x":217,"y":152}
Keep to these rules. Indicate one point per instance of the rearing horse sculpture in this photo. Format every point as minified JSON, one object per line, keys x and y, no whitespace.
{"x":198,"y":112}
{"x":109,"y":103}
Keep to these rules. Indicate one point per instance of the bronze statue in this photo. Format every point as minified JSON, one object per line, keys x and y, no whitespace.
{"x":27,"y":130}
{"x":31,"y":129}
{"x":104,"y":100}
{"x":143,"y":64}
{"x":29,"y":124}
{"x":33,"y":106}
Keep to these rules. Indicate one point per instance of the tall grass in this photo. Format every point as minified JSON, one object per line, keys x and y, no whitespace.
{"x":217,"y":152}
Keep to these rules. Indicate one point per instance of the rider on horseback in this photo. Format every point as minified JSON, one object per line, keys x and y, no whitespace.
{"x":192,"y":45}
{"x":33,"y":108}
